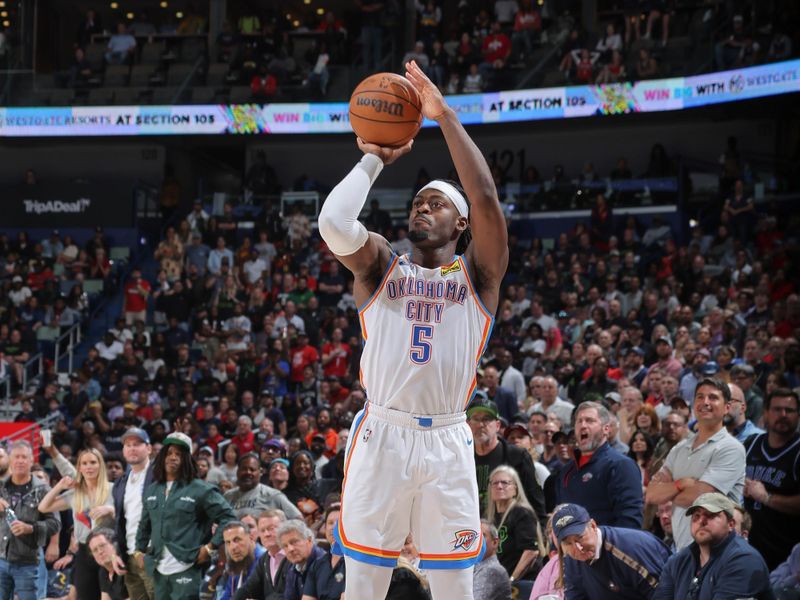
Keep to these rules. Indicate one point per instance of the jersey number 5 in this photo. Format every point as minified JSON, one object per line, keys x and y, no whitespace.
{"x":421,"y":336}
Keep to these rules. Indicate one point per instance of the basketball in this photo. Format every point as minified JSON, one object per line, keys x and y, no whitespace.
{"x":385,"y":110}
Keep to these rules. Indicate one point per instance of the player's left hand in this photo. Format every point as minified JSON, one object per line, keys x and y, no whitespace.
{"x":433,"y":103}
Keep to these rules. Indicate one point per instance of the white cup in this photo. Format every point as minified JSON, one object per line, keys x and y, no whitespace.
{"x":47,"y":438}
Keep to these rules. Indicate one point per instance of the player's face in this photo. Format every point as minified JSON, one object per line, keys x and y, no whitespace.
{"x":434,"y":219}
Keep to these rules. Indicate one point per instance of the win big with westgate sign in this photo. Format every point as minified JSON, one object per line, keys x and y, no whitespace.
{"x":656,"y":95}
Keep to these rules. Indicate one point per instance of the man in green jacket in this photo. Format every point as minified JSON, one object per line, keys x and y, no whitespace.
{"x":177,"y":517}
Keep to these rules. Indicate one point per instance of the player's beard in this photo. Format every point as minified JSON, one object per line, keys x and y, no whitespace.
{"x":417,"y":236}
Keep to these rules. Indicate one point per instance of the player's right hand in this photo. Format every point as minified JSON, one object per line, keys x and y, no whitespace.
{"x":386,"y":154}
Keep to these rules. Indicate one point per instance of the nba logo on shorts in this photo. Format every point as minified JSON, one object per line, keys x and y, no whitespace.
{"x":367,"y":434}
{"x":464,"y":539}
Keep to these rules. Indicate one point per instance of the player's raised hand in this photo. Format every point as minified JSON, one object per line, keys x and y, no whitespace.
{"x":386,"y":154}
{"x":433,"y":103}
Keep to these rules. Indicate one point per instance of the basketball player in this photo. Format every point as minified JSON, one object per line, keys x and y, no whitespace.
{"x":425,"y":319}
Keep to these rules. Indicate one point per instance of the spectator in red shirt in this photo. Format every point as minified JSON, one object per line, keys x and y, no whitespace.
{"x":335,"y":355}
{"x":134,"y":304}
{"x":244,"y":439}
{"x":496,"y":50}
{"x":527,"y":25}
{"x":303,"y":355}
{"x":325,"y":430}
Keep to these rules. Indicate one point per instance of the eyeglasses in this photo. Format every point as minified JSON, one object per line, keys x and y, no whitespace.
{"x":783,"y":409}
{"x":501,"y":483}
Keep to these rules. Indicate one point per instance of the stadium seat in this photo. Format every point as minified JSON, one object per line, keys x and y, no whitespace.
{"x":100,"y":97}
{"x":141,"y":75}
{"x":191,"y":49}
{"x":126,"y":96}
{"x":216,"y":74}
{"x":152,"y":53}
{"x":116,"y":75}
{"x":164,"y":96}
{"x":241,"y":94}
{"x":203,"y":95}
{"x":119,"y":253}
{"x":62,"y":97}
{"x":93,"y":286}
{"x":178,"y":73}
{"x":95,"y":55}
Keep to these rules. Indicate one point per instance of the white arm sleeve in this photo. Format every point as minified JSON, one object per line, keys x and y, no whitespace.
{"x":338,"y":219}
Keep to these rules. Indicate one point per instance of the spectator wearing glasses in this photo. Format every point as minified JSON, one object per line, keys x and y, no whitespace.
{"x":508,"y":509}
{"x":772,"y":484}
{"x":102,"y":544}
{"x":736,"y":421}
{"x":744,"y":376}
{"x":491,"y":451}
{"x":718,"y":563}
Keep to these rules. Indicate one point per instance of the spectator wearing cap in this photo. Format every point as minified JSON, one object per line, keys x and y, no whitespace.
{"x":317,"y":449}
{"x":504,"y":398}
{"x":606,"y":562}
{"x":278,"y":474}
{"x":690,"y":376}
{"x":666,"y":362}
{"x":214,"y":475}
{"x":599,"y":478}
{"x":128,"y":494}
{"x":491,"y":451}
{"x":634,"y":368}
{"x":710,"y":461}
{"x":744,"y":376}
{"x":518,"y":435}
{"x":737,"y":423}
{"x":179,"y":511}
{"x":551,"y":403}
{"x":718,"y":564}
{"x":251,"y":497}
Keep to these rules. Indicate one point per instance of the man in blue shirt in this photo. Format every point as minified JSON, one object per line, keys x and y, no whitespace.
{"x":606,"y":562}
{"x":718,"y":564}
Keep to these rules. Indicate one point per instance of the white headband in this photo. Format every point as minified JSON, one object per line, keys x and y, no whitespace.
{"x":452,"y":193}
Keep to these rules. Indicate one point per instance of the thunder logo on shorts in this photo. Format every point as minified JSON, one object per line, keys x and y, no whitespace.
{"x":464,"y":539}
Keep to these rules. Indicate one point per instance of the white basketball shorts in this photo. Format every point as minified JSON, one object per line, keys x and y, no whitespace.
{"x":415,"y":474}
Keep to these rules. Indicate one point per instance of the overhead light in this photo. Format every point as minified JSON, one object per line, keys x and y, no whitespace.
{"x":295,"y":23}
{"x":306,"y":1}
{"x":4,"y":14}
{"x":164,"y":5}
{"x":288,"y":16}
{"x":320,"y":11}
{"x":114,"y":5}
{"x":2,"y":4}
{"x":179,"y":15}
{"x":6,"y":23}
{"x":129,"y":15}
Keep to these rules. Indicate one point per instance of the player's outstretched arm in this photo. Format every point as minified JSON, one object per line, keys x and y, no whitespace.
{"x":488,"y":252}
{"x":362,"y":252}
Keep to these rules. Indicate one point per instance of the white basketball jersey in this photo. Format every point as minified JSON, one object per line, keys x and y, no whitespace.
{"x":424,"y":331}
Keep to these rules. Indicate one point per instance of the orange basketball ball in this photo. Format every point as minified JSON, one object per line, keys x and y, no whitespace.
{"x":385,"y":110}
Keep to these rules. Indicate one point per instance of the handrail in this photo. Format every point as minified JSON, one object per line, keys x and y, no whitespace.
{"x":74,"y":335}
{"x":39,"y":360}
{"x":30,"y":432}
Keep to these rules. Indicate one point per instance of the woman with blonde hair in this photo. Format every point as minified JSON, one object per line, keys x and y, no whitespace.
{"x":509,"y":510}
{"x":87,"y":492}
{"x":550,"y":580}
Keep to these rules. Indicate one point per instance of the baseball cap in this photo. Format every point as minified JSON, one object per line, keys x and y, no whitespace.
{"x":136,"y":432}
{"x":206,"y":449}
{"x":614,"y":397}
{"x":483,"y":404}
{"x":275,"y":443}
{"x":744,"y":369}
{"x":516,"y":428}
{"x":129,"y":406}
{"x":704,"y":352}
{"x":16,"y":279}
{"x":713,"y":502}
{"x":637,"y":350}
{"x":710,"y":368}
{"x":176,"y":438}
{"x":664,"y":338}
{"x":318,"y":436}
{"x":560,"y":437}
{"x":570,"y":519}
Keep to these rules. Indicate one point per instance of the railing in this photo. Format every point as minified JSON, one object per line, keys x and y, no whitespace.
{"x":30,"y":433}
{"x":73,"y":335}
{"x":38,"y":361}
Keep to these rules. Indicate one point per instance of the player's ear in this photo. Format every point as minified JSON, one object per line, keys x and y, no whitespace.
{"x":461,"y":224}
